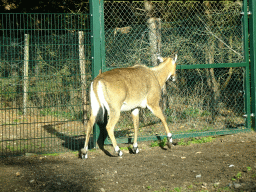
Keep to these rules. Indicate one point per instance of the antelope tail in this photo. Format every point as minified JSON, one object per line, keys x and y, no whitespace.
{"x":98,"y":102}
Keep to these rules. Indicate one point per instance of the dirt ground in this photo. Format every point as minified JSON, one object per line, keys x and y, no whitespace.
{"x":226,"y":164}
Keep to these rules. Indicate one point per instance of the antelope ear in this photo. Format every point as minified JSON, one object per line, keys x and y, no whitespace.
{"x":175,"y":58}
{"x":161,"y":60}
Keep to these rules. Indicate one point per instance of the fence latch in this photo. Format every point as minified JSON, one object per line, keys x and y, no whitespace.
{"x":252,"y":115}
{"x":248,"y":13}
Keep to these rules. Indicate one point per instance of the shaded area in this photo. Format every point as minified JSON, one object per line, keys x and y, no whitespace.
{"x":43,"y":174}
{"x":225,"y":164}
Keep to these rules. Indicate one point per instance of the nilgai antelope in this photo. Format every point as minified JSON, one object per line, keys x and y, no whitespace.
{"x":130,"y":88}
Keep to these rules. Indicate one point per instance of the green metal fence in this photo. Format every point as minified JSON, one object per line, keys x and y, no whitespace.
{"x":44,"y":76}
{"x":212,"y":93}
{"x":47,"y":62}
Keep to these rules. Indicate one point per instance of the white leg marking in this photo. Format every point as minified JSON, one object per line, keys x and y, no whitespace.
{"x":117,"y":149}
{"x":135,"y":112}
{"x":160,"y":58}
{"x":169,"y":135}
{"x":135,"y":147}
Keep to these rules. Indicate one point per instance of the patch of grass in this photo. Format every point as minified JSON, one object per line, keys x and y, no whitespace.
{"x":190,"y":112}
{"x":162,"y":190}
{"x":161,"y":143}
{"x":154,"y":144}
{"x":177,"y":189}
{"x":249,"y":168}
{"x":182,"y":142}
{"x":195,"y":141}
{"x":51,"y":154}
{"x":190,"y":186}
{"x":205,"y":113}
{"x":50,"y":112}
{"x":238,"y":176}
{"x":224,"y":189}
{"x":124,"y":148}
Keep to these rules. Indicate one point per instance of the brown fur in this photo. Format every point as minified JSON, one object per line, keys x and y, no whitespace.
{"x":124,"y":89}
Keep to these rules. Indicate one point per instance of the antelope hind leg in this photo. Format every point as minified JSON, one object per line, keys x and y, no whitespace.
{"x":83,"y":152}
{"x":113,"y":118}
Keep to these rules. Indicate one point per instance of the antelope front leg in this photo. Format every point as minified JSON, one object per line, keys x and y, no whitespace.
{"x":156,"y":110}
{"x":135,"y":117}
{"x":169,"y":140}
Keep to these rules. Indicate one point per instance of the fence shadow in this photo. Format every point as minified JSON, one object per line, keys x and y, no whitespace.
{"x":70,"y":142}
{"x":77,"y":142}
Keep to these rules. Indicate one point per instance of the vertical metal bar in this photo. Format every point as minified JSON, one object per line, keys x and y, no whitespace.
{"x":252,"y":26}
{"x":96,"y":54}
{"x":104,"y":133}
{"x":247,"y":68}
{"x":102,"y":34}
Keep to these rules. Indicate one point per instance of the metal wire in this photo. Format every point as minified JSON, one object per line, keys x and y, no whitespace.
{"x":203,"y":33}
{"x":50,"y":119}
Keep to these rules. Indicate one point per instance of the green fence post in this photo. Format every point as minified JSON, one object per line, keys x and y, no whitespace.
{"x":247,"y":67}
{"x":97,"y":28}
{"x":252,"y":26}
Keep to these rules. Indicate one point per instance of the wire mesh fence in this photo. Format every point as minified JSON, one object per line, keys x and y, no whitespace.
{"x":198,"y":31}
{"x":201,"y":32}
{"x":46,"y":70}
{"x":44,"y":75}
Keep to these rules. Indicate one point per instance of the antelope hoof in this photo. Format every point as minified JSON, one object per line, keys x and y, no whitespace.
{"x":135,"y":150}
{"x":169,"y":142}
{"x":120,"y":153}
{"x":84,"y":154}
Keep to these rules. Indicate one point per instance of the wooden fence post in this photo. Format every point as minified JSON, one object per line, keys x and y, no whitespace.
{"x":153,"y":40}
{"x":25,"y":74}
{"x":82,"y":72}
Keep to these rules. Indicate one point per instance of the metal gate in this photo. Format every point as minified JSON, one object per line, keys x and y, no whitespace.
{"x":212,"y":94}
{"x":47,"y":62}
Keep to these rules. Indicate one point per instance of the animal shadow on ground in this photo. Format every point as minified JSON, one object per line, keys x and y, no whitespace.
{"x":77,"y":142}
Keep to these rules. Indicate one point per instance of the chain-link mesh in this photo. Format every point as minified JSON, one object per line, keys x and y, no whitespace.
{"x":201,"y":32}
{"x":45,"y":72}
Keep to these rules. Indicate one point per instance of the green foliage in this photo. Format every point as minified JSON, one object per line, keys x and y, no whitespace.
{"x":161,"y":143}
{"x":52,"y":112}
{"x":178,"y":189}
{"x":238,"y":176}
{"x":51,"y":154}
{"x":190,"y":112}
{"x":149,"y":187}
{"x":124,"y":148}
{"x":205,"y":113}
{"x":249,"y":168}
{"x":195,"y":141}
